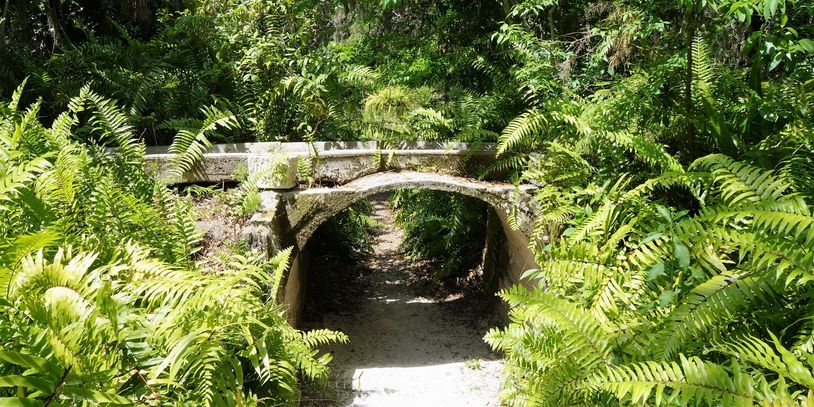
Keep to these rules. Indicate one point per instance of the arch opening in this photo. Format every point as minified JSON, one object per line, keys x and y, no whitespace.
{"x":289,"y":218}
{"x":377,"y":293}
{"x":308,"y":209}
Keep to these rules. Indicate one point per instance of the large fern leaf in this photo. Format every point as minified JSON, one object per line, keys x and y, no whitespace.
{"x":692,"y":379}
{"x":191,"y":142}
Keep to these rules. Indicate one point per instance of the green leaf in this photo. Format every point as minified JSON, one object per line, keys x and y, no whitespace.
{"x":666,"y":298}
{"x":651,"y":237}
{"x":698,"y":274}
{"x":692,"y":379}
{"x":528,"y":274}
{"x":655,"y":272}
{"x":664,"y":212}
{"x":96,"y":396}
{"x":20,"y":402}
{"x":769,"y":7}
{"x":30,"y":382}
{"x":776,"y":60}
{"x":32,"y":362}
{"x":682,"y":254}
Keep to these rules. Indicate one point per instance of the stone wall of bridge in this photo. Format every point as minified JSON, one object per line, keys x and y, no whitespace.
{"x":334,"y":163}
{"x":289,"y":219}
{"x":346,"y":172}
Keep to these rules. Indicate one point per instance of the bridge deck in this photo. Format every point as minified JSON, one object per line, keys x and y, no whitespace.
{"x":335,"y":162}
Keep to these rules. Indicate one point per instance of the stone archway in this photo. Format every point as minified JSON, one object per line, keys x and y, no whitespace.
{"x":290,"y":213}
{"x":289,"y":218}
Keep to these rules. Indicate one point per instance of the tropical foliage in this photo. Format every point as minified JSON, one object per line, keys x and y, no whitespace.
{"x":102,"y":298}
{"x":675,"y":239}
{"x":649,"y":304}
{"x":672,"y":143}
{"x":447,"y":229}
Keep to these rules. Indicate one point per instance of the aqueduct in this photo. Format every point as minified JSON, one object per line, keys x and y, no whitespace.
{"x":346,"y":172}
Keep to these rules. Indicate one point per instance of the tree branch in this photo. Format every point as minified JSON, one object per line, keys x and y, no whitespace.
{"x":57,"y":388}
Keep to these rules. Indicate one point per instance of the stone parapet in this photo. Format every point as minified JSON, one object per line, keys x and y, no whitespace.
{"x":334,"y":163}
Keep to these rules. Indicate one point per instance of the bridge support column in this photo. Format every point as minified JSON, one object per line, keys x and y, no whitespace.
{"x":269,"y":232}
{"x":506,"y":254}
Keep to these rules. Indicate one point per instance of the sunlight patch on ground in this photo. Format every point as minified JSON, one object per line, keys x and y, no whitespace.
{"x":447,"y":385}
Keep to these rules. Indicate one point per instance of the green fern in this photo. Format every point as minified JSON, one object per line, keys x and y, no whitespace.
{"x":522,"y":129}
{"x":191,"y":142}
{"x":660,"y":284}
{"x":775,"y":358}
{"x":691,"y":379}
{"x":109,"y":123}
{"x":102,"y":301}
{"x":714,"y":303}
{"x":742,"y":183}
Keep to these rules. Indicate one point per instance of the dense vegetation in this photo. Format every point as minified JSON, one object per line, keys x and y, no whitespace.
{"x":447,"y":229}
{"x":677,"y":206}
{"x":673,"y":139}
{"x":103,"y":301}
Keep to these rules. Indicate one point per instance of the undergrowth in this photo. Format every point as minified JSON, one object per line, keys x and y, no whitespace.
{"x":446,"y":229}
{"x":102,"y":302}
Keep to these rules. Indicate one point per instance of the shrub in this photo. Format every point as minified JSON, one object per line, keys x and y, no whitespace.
{"x":102,"y":302}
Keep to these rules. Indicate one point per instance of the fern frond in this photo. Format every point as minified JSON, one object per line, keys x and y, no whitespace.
{"x":703,"y":74}
{"x":692,"y":379}
{"x":585,"y":336}
{"x":649,"y":152}
{"x":18,"y":177}
{"x":522,"y":129}
{"x":14,"y":103}
{"x":359,"y":75}
{"x":775,"y":358}
{"x":774,"y":222}
{"x":191,"y":143}
{"x":470,"y":134}
{"x":109,"y":122}
{"x":712,"y":304}
{"x":742,"y":183}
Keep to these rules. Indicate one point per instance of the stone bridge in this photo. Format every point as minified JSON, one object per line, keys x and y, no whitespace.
{"x":341,"y":173}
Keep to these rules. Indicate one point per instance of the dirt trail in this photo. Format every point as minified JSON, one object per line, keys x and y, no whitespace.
{"x":407,"y":350}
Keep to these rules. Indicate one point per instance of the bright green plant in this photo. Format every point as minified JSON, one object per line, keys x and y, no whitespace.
{"x":670,"y":273}
{"x":649,"y":305}
{"x":102,"y":301}
{"x":192,"y":141}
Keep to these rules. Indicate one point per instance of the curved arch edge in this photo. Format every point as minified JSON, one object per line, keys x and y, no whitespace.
{"x":290,"y":218}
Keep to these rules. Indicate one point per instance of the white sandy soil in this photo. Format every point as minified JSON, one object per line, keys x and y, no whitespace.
{"x":406,"y":350}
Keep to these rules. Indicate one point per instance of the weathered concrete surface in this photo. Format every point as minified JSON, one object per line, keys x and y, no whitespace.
{"x":307,"y":209}
{"x":332,"y":162}
{"x":289,"y":218}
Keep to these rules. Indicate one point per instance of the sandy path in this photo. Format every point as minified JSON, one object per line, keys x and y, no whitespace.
{"x":406,"y":350}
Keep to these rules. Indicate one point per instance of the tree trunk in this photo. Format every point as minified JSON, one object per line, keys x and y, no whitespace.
{"x":3,"y":23}
{"x":53,"y":17}
{"x":141,"y":11}
{"x":20,"y":29}
{"x":754,"y":59}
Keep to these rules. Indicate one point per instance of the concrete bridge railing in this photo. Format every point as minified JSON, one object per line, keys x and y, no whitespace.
{"x":347,"y":172}
{"x":334,"y":162}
